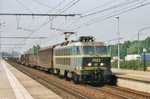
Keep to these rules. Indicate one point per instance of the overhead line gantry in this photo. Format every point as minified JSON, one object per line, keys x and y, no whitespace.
{"x":12,"y":44}
{"x":22,"y":37}
{"x":26,"y":14}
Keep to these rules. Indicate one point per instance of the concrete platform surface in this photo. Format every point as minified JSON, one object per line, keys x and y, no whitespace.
{"x":136,"y":80}
{"x":132,"y":74}
{"x":16,"y":85}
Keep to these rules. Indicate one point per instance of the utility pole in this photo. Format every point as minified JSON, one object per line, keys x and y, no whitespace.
{"x":0,"y":36}
{"x":118,"y":44}
{"x":144,"y":51}
{"x":0,"y":40}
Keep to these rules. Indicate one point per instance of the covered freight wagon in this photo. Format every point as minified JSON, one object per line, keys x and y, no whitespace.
{"x":46,"y":58}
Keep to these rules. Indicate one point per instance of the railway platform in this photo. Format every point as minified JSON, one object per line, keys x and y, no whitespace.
{"x":16,"y":85}
{"x":137,"y":80}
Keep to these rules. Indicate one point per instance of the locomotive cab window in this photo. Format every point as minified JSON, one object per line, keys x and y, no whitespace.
{"x":89,"y":50}
{"x":102,"y":50}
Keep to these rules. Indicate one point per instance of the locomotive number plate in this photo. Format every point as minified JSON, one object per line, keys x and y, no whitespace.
{"x":96,"y":60}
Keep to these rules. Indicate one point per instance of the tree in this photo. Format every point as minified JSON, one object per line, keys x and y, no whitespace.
{"x":123,"y":49}
{"x":129,"y":47}
{"x":34,"y":50}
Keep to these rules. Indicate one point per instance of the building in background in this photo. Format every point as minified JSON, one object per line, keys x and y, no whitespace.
{"x":132,"y":57}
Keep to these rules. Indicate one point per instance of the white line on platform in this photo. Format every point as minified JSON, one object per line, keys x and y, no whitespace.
{"x":19,"y":90}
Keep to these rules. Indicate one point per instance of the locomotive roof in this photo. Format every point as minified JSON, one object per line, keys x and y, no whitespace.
{"x":74,"y":43}
{"x":77,"y":43}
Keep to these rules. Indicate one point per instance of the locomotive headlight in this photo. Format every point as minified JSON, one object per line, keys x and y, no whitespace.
{"x":101,"y":64}
{"x":79,"y":68}
{"x":89,"y":64}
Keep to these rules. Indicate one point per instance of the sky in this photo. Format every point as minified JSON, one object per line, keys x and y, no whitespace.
{"x":97,"y":18}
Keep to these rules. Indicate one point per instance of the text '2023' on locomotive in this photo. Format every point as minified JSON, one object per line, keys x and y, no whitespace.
{"x":83,"y":60}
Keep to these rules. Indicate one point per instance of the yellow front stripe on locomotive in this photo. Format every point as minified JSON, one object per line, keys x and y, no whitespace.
{"x":81,"y":56}
{"x":79,"y":68}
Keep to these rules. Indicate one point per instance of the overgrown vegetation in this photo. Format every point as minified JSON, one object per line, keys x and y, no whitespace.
{"x":133,"y":65}
{"x":34,"y":50}
{"x":129,"y":47}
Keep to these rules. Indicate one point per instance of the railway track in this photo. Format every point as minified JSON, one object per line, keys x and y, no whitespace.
{"x":121,"y":93}
{"x":65,"y":93}
{"x":128,"y":92}
{"x":73,"y":91}
{"x":111,"y":94}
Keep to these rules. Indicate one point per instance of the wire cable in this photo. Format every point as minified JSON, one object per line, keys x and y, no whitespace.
{"x":55,"y":16}
{"x":110,"y":8}
{"x":107,"y":17}
{"x":24,"y":6}
{"x":46,"y":5}
{"x":99,"y":6}
{"x":64,"y":9}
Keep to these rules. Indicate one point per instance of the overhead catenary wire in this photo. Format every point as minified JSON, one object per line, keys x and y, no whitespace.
{"x":43,"y":4}
{"x":53,"y":9}
{"x":50,"y":19}
{"x":65,"y":28}
{"x":63,"y":10}
{"x":91,"y":10}
{"x":56,"y":6}
{"x":105,"y":10}
{"x":46,"y":13}
{"x":122,"y":11}
{"x":110,"y":15}
{"x":112,"y":7}
{"x":24,"y":6}
{"x":33,"y":14}
{"x":107,"y":3}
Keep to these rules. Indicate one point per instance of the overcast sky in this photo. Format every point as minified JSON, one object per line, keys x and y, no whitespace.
{"x":97,"y":19}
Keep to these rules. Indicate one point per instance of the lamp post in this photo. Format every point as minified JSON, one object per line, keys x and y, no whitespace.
{"x":118,"y":44}
{"x":139,"y":33}
{"x":144,"y":51}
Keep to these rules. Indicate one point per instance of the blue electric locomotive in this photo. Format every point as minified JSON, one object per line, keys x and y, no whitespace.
{"x":84,"y":60}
